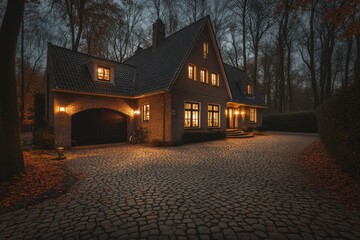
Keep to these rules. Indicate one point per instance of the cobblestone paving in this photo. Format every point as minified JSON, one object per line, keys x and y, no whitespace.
{"x":232,"y":189}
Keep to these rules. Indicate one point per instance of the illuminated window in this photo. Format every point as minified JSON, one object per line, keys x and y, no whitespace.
{"x":213,"y":115}
{"x":192,"y":115}
{"x":249,"y":90}
{"x":205,"y":49}
{"x":204,"y":76}
{"x":215,"y":79}
{"x":253,"y":115}
{"x":192,"y":72}
{"x":146,"y":112}
{"x":103,"y":73}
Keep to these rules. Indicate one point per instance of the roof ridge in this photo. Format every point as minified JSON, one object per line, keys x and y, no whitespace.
{"x":171,"y":35}
{"x":189,"y":50}
{"x":89,"y":55}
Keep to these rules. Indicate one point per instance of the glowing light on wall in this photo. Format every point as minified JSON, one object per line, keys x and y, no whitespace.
{"x":62,"y":109}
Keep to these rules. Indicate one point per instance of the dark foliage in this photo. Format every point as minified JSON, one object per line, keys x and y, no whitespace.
{"x":44,"y":137}
{"x":339,"y":127}
{"x":202,"y":136}
{"x":291,"y":122}
{"x":39,"y":110}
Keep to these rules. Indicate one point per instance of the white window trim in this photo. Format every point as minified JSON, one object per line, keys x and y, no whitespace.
{"x":219,"y":115}
{"x":142,"y":112}
{"x":199,"y":115}
{"x":255,"y":115}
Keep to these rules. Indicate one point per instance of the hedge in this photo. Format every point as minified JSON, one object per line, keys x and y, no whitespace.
{"x":39,"y":110}
{"x":339,"y":127}
{"x":202,"y":136}
{"x":44,"y":137}
{"x":291,"y":122}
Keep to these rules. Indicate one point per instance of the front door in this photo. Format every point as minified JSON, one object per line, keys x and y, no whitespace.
{"x":231,"y":118}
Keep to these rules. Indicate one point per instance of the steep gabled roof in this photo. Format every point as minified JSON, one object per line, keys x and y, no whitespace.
{"x":70,"y":72}
{"x":238,"y":80}
{"x":157,"y":68}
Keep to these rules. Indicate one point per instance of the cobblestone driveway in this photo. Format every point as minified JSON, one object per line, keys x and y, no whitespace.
{"x":232,"y":189}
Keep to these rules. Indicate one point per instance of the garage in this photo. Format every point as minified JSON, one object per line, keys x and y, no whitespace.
{"x":97,"y":126}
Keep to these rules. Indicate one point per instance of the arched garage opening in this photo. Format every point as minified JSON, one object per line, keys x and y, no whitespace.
{"x":96,"y":126}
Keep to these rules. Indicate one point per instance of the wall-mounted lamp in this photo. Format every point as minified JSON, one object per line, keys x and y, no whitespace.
{"x":136,"y":112}
{"x":62,"y":109}
{"x":242,"y":113}
{"x":236,"y":112}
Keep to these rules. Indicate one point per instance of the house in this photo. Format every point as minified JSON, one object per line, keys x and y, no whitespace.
{"x":179,"y":84}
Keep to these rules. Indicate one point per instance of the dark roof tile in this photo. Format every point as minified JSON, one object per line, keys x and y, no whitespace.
{"x":238,"y":80}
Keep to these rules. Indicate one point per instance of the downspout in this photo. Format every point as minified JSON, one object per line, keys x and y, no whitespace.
{"x":163,"y":116}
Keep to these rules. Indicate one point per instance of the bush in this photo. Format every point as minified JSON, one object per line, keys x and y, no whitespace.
{"x":291,"y":122}
{"x":339,"y":127}
{"x":160,"y":143}
{"x":44,"y":137}
{"x":202,"y":136}
{"x":39,"y":110}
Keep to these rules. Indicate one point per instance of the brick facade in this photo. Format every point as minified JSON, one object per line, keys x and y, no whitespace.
{"x":167,"y":112}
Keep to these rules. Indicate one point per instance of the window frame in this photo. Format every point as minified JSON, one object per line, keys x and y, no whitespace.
{"x":249,"y":87}
{"x":145,"y":117}
{"x":217,"y":83}
{"x":255,"y":117}
{"x":193,"y":77}
{"x":206,"y":75}
{"x":205,"y":50}
{"x":191,"y":114}
{"x":105,"y":68}
{"x":213,"y":112}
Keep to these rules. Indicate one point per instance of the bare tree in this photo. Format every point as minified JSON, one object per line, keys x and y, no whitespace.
{"x":74,"y":11}
{"x":240,"y":8}
{"x":260,"y":21}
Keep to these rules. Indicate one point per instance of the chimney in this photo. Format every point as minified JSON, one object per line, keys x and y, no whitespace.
{"x":158,"y":33}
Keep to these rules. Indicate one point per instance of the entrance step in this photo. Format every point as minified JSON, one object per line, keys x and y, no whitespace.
{"x":237,"y":133}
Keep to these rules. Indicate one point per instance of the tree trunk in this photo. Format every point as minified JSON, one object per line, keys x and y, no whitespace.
{"x":244,"y":36}
{"x":11,"y":156}
{"x":357,"y":61}
{"x":290,"y":103}
{"x":347,"y":62}
{"x":312,"y":56}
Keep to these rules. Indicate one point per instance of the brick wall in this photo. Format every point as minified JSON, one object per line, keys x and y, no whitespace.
{"x":74,"y":103}
{"x":160,"y":117}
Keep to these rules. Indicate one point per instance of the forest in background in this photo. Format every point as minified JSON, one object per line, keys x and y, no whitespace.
{"x":297,"y":52}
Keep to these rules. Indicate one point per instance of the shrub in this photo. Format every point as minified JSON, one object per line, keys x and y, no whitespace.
{"x":44,"y":137}
{"x":291,"y":122}
{"x":39,"y":110}
{"x":202,"y":136}
{"x":339,"y":127}
{"x":160,"y":143}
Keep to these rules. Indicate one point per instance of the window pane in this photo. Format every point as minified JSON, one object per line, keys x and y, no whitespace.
{"x":191,"y":72}
{"x":103,"y":73}
{"x":195,"y":106}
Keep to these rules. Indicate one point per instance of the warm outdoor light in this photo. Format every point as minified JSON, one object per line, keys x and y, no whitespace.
{"x":136,"y":112}
{"x":60,"y":151}
{"x":62,"y":109}
{"x":236,"y":112}
{"x":242,"y":113}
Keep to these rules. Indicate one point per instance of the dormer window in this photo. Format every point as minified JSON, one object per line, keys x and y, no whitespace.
{"x":205,"y":49}
{"x":249,"y":89}
{"x":103,"y":73}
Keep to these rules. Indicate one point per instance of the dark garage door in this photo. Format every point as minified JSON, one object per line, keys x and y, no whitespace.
{"x":97,"y":126}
